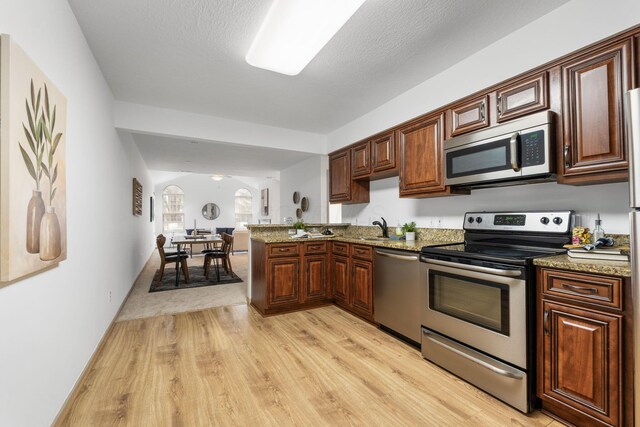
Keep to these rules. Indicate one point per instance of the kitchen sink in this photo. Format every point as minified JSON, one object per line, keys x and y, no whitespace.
{"x":375,"y":239}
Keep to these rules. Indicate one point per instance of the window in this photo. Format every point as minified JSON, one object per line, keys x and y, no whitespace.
{"x":243,"y":208}
{"x":172,"y":209}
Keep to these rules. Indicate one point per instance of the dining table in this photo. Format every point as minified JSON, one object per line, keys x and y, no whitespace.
{"x":211,"y":239}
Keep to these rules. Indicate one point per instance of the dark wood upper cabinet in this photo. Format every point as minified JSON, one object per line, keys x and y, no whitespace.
{"x":340,"y":176}
{"x":522,"y":98}
{"x":421,"y":158}
{"x":469,"y":116}
{"x":594,"y":141}
{"x":421,"y":168}
{"x":383,"y":152}
{"x":581,"y":362}
{"x":361,"y":160}
{"x":343,"y":189}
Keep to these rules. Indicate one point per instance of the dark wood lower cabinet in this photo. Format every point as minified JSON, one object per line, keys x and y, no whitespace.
{"x":312,"y":274}
{"x":581,"y":348}
{"x":362,"y":287}
{"x":315,"y":278}
{"x":582,"y":362}
{"x":287,"y":277}
{"x":340,"y":279}
{"x":283,"y":281}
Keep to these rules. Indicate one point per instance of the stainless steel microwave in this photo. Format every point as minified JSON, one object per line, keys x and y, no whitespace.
{"x":513,"y":153}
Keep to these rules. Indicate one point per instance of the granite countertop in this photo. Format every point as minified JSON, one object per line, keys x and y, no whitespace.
{"x":564,"y":262}
{"x":413,"y":246}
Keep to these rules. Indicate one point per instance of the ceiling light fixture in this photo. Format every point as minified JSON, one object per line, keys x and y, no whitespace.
{"x":294,"y":31}
{"x":217,"y":177}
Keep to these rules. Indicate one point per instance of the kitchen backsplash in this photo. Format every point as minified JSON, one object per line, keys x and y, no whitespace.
{"x":610,"y":200}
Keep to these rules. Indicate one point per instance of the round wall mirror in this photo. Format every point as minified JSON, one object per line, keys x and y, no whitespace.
{"x":210,"y":211}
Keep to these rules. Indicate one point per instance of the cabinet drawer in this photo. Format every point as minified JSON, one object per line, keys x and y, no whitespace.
{"x":286,"y":249}
{"x":341,"y":248}
{"x":315,"y":248}
{"x":589,"y":288}
{"x":362,"y":252}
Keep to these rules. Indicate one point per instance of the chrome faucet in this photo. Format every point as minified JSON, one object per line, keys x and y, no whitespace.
{"x":383,"y":225}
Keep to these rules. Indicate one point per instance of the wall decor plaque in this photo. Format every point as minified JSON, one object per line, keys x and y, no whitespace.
{"x":137,"y":197}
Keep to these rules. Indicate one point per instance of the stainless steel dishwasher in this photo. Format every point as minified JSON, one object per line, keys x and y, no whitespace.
{"x":396,"y":292}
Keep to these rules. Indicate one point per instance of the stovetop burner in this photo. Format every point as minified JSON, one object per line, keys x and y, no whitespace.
{"x":509,"y":237}
{"x":506,"y":254}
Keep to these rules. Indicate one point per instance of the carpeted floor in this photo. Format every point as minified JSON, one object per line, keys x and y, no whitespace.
{"x":142,"y":303}
{"x":197,"y":279}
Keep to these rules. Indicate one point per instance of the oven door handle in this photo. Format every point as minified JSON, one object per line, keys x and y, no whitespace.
{"x":500,"y":371}
{"x":479,"y":269}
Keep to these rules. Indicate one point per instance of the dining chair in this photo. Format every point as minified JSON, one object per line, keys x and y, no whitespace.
{"x":221,"y":254}
{"x":171,"y":257}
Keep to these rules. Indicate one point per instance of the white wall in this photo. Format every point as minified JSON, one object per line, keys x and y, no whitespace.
{"x":610,"y":200}
{"x":161,"y":121}
{"x":309,"y":179}
{"x":50,"y":324}
{"x":570,"y":27}
{"x":201,"y":189}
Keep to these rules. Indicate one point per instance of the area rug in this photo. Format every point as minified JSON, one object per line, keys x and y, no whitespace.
{"x":196,"y":279}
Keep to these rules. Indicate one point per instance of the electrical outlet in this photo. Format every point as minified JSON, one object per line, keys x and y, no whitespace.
{"x":109,"y":296}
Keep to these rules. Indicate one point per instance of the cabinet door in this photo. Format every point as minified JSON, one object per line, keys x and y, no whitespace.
{"x":284,"y":284}
{"x":421,"y":168}
{"x":314,"y":281}
{"x":361,"y":160}
{"x":522,"y":98}
{"x":469,"y":116}
{"x":340,"y":279}
{"x":340,"y":176}
{"x":383,"y":152}
{"x":593,"y":89}
{"x":581,"y":360}
{"x":362,"y":286}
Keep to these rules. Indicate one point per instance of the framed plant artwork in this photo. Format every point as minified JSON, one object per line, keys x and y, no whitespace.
{"x":33,"y":195}
{"x":151,"y":207}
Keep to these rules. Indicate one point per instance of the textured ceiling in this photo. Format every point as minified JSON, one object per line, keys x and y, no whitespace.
{"x":189,"y":54}
{"x":178,"y":155}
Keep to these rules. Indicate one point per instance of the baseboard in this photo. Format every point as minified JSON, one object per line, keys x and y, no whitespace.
{"x":92,"y":359}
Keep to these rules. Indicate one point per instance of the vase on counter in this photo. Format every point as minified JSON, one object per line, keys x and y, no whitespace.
{"x":35,"y":212}
{"x":50,"y":242}
{"x":410,"y":236}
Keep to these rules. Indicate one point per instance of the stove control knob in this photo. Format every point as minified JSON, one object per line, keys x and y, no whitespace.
{"x":544,"y":220}
{"x":557,"y":220}
{"x":470,"y":220}
{"x":479,"y":219}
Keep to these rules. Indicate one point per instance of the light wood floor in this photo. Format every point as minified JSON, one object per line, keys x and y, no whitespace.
{"x":230,"y":366}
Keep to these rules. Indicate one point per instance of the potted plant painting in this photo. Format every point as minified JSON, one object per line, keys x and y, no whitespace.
{"x":43,"y":227}
{"x":409,"y":230}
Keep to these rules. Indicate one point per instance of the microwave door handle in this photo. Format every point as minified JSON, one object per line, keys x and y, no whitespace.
{"x":514,"y":151}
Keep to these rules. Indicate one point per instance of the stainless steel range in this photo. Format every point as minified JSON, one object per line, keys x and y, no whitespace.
{"x":478,"y":299}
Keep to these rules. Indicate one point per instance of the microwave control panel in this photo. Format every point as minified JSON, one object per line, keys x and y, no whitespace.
{"x":532,"y":148}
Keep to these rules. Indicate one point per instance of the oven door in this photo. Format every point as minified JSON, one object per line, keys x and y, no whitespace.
{"x":482,"y":307}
